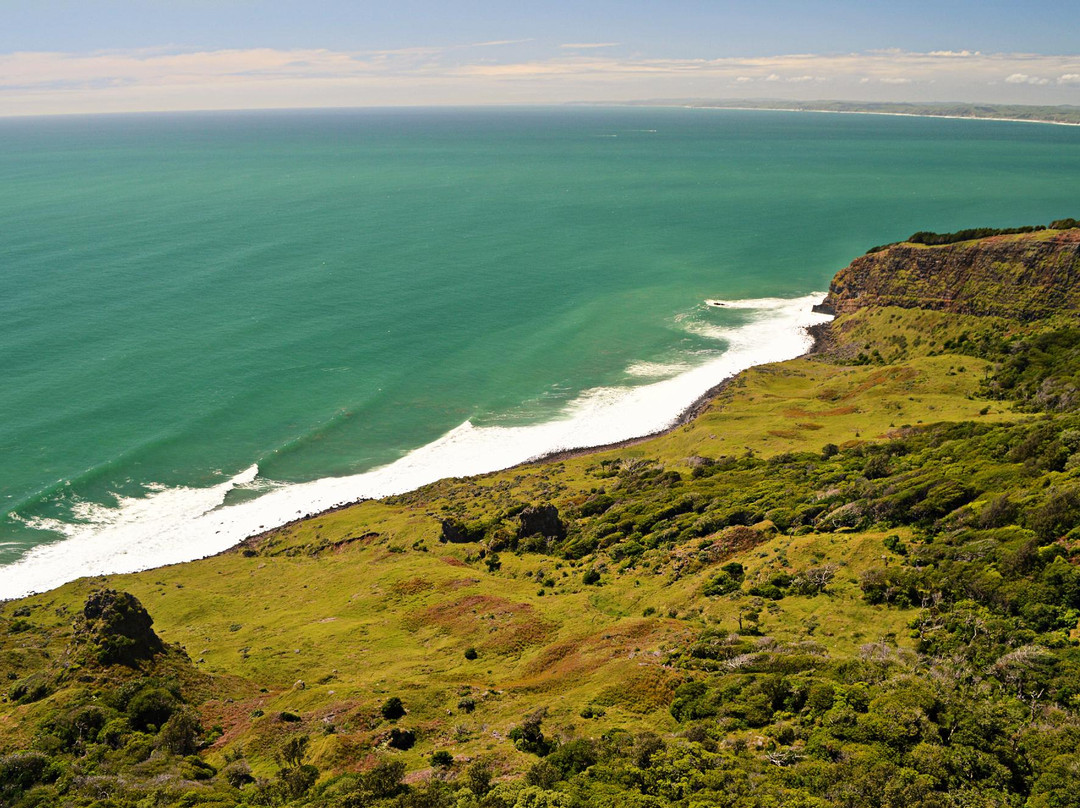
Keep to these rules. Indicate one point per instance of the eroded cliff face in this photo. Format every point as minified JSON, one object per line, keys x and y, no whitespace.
{"x":1021,"y":276}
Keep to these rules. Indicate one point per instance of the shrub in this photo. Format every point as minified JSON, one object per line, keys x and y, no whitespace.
{"x":384,"y":778}
{"x":23,"y":770}
{"x":442,"y":759}
{"x":478,"y":777}
{"x":180,"y":734}
{"x":118,"y":628}
{"x":297,"y":781}
{"x":720,"y":584}
{"x":590,"y":578}
{"x":33,"y":688}
{"x":150,"y":708}
{"x":470,"y":653}
{"x":114,"y":734}
{"x":237,"y":773}
{"x":529,"y":737}
{"x":402,"y":739}
{"x":392,"y":709}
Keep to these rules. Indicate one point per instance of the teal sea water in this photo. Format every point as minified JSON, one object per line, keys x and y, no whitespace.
{"x":198,"y":308}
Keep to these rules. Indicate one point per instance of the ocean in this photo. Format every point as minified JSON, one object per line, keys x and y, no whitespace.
{"x":211,"y":323}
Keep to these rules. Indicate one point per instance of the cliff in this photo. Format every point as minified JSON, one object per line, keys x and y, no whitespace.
{"x":1025,"y":277}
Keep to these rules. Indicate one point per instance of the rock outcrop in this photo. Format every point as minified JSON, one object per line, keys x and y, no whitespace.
{"x":1025,"y":277}
{"x":117,"y":629}
{"x":541,"y":520}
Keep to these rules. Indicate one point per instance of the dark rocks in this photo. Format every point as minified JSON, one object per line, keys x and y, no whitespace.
{"x":118,"y":629}
{"x":401,"y":739}
{"x":454,"y":532}
{"x":542,"y":520}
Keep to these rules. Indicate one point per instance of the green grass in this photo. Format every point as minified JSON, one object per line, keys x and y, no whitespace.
{"x":349,"y":604}
{"x":327,"y":618}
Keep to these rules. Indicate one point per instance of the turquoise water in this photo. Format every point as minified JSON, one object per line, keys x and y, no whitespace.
{"x":321,"y":293}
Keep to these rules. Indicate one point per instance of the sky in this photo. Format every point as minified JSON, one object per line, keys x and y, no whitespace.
{"x":80,"y":56}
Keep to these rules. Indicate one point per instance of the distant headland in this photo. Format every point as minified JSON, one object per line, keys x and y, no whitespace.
{"x":1063,"y":114}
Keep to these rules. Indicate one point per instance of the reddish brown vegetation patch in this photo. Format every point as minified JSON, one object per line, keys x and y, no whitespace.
{"x":414,"y":586}
{"x":642,"y":691}
{"x":798,"y":412}
{"x":509,"y":627}
{"x":730,"y":541}
{"x":458,"y":583}
{"x":581,"y":655}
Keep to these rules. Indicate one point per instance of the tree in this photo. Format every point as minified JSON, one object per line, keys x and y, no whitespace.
{"x":384,"y":778}
{"x":180,"y":734}
{"x":529,"y":737}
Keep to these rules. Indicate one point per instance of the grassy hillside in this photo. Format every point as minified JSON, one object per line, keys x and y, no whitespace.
{"x":851,"y":580}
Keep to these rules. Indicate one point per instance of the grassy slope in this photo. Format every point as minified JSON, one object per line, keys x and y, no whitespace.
{"x":391,"y":611}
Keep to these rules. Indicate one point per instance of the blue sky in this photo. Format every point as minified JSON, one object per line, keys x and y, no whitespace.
{"x":112,"y":55}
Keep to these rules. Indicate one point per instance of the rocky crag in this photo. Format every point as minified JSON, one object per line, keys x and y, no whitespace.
{"x":1024,"y":277}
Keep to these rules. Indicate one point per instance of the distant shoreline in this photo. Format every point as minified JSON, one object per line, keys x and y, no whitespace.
{"x":893,"y":114}
{"x":995,"y":112}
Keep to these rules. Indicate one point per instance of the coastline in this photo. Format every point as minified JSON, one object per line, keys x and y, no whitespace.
{"x":874,"y":112}
{"x":818,"y":333}
{"x":179,"y":525}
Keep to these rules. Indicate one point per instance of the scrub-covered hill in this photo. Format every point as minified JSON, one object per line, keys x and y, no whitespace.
{"x":851,"y":580}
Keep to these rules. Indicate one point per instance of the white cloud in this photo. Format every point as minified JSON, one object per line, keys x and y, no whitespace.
{"x":499,"y":43}
{"x":162,"y":78}
{"x":589,"y":45}
{"x":1024,"y":78}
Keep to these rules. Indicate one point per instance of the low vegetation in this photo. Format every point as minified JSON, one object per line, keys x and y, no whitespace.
{"x":854,"y":580}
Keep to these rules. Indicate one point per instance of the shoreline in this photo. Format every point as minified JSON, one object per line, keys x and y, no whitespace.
{"x":817,"y":332}
{"x":199,"y":527}
{"x":861,"y":112}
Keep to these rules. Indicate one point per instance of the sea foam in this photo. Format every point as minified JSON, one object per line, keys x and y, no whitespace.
{"x":171,"y":525}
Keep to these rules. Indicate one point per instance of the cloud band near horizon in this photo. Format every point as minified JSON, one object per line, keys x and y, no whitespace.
{"x":40,"y":83}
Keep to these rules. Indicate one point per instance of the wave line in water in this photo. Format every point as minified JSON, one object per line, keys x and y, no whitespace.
{"x":172,"y":525}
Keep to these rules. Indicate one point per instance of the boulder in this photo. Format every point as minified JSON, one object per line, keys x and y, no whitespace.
{"x":541,"y":520}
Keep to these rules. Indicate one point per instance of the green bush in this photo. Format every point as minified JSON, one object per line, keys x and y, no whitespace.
{"x":442,"y":759}
{"x":392,"y":709}
{"x":150,"y":708}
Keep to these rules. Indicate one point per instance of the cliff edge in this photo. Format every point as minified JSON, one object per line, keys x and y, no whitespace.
{"x":1026,"y":277}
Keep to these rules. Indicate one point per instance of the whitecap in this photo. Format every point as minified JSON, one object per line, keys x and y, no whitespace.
{"x":171,"y":525}
{"x":653,"y":370}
